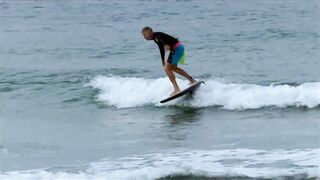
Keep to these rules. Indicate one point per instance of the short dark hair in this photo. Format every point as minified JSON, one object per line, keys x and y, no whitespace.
{"x":147,"y":28}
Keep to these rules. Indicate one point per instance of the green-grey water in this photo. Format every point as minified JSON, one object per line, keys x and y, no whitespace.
{"x":80,"y":90}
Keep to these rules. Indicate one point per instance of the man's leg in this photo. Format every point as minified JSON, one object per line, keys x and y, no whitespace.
{"x":185,"y":74}
{"x":181,"y":72}
{"x":172,"y":77}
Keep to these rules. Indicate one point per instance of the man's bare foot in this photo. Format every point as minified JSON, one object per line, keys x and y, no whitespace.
{"x":175,"y":92}
{"x":192,"y":82}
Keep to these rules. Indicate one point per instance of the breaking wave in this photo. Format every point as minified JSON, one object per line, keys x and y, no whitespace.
{"x":123,"y":92}
{"x":194,"y":164}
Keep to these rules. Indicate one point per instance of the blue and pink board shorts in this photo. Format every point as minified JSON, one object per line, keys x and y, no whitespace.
{"x":177,"y":54}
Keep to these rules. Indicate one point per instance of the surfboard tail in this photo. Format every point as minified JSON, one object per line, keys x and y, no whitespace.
{"x":189,"y":90}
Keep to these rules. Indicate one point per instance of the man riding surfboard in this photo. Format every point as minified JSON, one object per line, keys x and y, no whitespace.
{"x":176,"y":55}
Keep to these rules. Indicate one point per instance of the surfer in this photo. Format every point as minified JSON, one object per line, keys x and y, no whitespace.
{"x":166,"y":42}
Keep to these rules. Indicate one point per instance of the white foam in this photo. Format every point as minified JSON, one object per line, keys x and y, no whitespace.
{"x":131,"y":92}
{"x":216,"y":163}
{"x":134,"y":92}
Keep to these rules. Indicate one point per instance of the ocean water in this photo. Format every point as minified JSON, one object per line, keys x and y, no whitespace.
{"x":80,"y":90}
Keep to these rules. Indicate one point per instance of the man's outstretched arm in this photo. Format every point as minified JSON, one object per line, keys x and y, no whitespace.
{"x":162,"y":53}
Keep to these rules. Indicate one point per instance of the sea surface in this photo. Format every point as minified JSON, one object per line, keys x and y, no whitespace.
{"x":80,"y":90}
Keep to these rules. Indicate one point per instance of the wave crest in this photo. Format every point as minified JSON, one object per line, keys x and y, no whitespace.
{"x":123,"y":92}
{"x":213,"y":164}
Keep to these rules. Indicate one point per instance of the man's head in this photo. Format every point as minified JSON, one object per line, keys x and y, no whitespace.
{"x":147,"y":33}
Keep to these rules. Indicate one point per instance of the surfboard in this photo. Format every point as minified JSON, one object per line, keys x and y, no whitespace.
{"x":188,"y":90}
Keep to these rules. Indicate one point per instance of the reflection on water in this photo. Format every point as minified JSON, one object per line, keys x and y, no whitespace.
{"x":180,"y":120}
{"x":183,"y":115}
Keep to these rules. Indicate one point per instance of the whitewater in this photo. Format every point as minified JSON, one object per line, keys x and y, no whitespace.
{"x":236,"y":163}
{"x":124,"y":92}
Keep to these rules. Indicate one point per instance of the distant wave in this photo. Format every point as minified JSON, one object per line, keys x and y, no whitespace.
{"x":123,"y":92}
{"x":214,"y":164}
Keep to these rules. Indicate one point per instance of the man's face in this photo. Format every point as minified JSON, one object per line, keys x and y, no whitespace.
{"x":148,"y":35}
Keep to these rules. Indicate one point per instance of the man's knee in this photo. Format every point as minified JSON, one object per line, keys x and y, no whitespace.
{"x":167,"y":69}
{"x":171,"y":67}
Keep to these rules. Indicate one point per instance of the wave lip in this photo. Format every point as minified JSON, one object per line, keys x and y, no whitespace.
{"x":123,"y":92}
{"x":224,"y":164}
{"x":252,"y":96}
